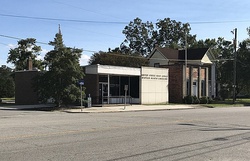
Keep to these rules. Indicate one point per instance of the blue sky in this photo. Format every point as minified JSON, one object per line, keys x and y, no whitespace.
{"x":101,"y":36}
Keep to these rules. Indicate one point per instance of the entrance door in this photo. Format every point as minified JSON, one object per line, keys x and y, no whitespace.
{"x":103,"y":89}
{"x":195,"y":88}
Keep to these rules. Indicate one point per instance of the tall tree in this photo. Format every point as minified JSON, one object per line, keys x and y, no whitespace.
{"x":207,"y":43}
{"x":141,"y":37}
{"x":64,"y":71}
{"x":26,"y":49}
{"x":243,"y":67}
{"x":171,"y":33}
{"x":7,"y":85}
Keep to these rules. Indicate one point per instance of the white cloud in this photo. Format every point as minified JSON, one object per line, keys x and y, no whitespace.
{"x":42,"y":54}
{"x":12,"y":46}
{"x":84,"y":59}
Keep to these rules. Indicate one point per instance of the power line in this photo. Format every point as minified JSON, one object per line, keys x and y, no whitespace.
{"x":99,"y":13}
{"x":217,"y":22}
{"x":4,"y":44}
{"x":110,"y":22}
{"x":16,"y":38}
{"x":38,"y":42}
{"x":65,"y":20}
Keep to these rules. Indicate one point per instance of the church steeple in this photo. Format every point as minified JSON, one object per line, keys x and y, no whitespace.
{"x":59,"y":32}
{"x":58,"y":40}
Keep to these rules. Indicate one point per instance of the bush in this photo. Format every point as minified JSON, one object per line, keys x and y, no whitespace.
{"x":205,"y":100}
{"x":195,"y":100}
{"x":188,"y":99}
{"x":224,"y":93}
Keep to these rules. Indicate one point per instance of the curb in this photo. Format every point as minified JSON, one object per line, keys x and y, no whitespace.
{"x":119,"y":110}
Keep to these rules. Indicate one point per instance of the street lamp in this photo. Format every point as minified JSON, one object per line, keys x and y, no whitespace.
{"x":234,"y":70}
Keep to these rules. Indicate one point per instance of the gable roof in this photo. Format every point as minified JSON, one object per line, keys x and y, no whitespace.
{"x":168,"y":53}
{"x":193,"y":54}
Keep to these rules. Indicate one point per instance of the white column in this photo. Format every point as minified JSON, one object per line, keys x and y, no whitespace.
{"x":207,"y":84}
{"x":199,"y":82}
{"x":108,"y":87}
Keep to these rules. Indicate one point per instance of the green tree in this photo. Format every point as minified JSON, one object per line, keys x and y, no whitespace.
{"x":207,"y":43}
{"x":141,"y":37}
{"x":7,"y":85}
{"x":64,"y":71}
{"x":225,"y":59}
{"x":26,"y":48}
{"x":118,"y":59}
{"x":171,"y":33}
{"x":243,"y":68}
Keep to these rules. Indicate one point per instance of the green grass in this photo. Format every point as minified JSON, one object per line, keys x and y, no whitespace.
{"x":11,"y":99}
{"x":4,"y":100}
{"x":229,"y":103}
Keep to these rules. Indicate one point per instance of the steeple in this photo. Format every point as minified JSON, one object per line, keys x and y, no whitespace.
{"x":59,"y":32}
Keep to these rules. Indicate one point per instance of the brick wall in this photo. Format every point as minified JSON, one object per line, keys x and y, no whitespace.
{"x":175,"y":83}
{"x":24,"y":91}
{"x":91,"y":82}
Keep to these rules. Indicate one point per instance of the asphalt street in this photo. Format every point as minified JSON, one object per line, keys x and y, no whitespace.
{"x":190,"y":134}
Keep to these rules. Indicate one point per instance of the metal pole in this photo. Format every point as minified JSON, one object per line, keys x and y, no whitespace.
{"x":125,"y":100}
{"x":81,"y":97}
{"x":185,"y":70}
{"x":234,"y":70}
{"x":125,"y":89}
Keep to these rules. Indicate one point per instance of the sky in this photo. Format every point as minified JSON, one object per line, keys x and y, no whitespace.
{"x":96,"y":25}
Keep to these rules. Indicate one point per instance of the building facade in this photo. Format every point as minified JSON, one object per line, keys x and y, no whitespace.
{"x":191,"y":72}
{"x":110,"y":84}
{"x":24,"y":87}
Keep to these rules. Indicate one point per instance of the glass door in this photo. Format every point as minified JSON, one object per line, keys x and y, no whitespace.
{"x":103,"y":89}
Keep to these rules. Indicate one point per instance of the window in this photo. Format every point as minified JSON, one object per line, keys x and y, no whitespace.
{"x":157,"y":65}
{"x":114,"y":86}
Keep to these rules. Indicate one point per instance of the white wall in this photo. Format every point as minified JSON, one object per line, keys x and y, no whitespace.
{"x":154,"y":85}
{"x":157,"y":57}
{"x":113,"y":70}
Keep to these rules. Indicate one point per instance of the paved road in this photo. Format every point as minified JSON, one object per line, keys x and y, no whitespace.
{"x":195,"y":134}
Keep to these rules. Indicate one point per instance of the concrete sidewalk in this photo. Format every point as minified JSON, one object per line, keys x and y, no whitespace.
{"x":104,"y":109}
{"x":131,"y":108}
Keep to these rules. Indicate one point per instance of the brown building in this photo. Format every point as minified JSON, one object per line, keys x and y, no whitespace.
{"x":24,"y":90}
{"x":190,"y":73}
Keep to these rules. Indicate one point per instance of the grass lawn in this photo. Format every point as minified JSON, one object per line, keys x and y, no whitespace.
{"x":7,"y":101}
{"x":229,"y":103}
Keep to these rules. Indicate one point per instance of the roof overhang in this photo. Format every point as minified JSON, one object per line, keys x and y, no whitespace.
{"x":112,"y":70}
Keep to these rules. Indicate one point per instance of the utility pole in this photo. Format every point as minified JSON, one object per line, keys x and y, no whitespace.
{"x":185,"y":70}
{"x":234,"y":70}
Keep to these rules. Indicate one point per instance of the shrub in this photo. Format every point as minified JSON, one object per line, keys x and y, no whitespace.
{"x":195,"y":100}
{"x":205,"y":100}
{"x":224,"y":93}
{"x":188,"y":99}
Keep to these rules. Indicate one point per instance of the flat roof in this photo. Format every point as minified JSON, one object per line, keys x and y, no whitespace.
{"x":112,"y":70}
